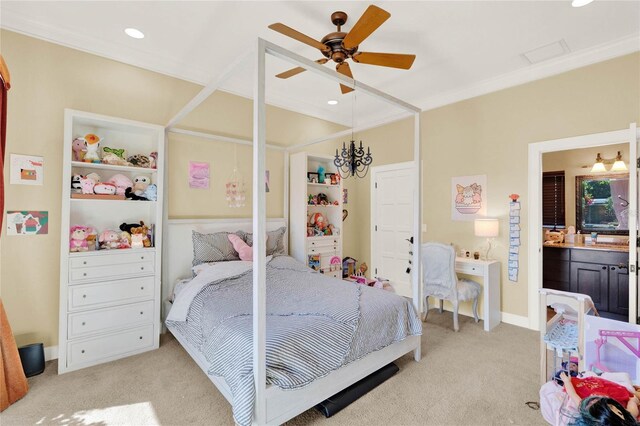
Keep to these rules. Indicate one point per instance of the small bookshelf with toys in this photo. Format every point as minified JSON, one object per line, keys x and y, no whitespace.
{"x":110,"y":258}
{"x":315,"y":213}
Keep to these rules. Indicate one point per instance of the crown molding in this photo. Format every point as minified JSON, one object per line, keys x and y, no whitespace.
{"x":582,"y":58}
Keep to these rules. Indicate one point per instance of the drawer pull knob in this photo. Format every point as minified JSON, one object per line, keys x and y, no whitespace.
{"x":83,"y":323}
{"x":82,"y":351}
{"x":141,"y":257}
{"x":84,"y":263}
{"x":141,"y":288}
{"x":142,"y":268}
{"x":84,"y":274}
{"x":84,"y":296}
{"x":604,"y":267}
{"x":141,"y":313}
{"x":613,"y":268}
{"x":140,"y":337}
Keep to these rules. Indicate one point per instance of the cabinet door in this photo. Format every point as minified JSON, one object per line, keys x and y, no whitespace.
{"x":591,"y":279}
{"x":619,"y":290}
{"x":555,"y":268}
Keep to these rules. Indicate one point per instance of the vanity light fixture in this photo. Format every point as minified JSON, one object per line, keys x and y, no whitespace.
{"x":618,"y":164}
{"x":580,"y":3}
{"x":134,"y":33}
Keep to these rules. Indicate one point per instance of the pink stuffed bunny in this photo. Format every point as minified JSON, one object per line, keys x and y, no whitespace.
{"x":78,"y":238}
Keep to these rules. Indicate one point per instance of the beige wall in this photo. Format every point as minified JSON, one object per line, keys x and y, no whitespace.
{"x":46,"y":78}
{"x":489,"y":135}
{"x":573,"y":163}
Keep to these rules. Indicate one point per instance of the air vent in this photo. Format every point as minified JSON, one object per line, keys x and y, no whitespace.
{"x":547,"y":52}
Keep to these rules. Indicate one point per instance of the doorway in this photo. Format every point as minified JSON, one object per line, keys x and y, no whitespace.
{"x":392,"y":202}
{"x":535,"y":220}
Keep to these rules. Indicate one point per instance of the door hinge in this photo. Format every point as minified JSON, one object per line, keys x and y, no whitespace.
{"x":376,"y":228}
{"x":638,"y":162}
{"x":376,"y":271}
{"x":377,"y":182}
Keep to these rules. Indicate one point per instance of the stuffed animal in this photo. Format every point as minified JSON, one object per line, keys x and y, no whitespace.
{"x":127,"y":227}
{"x":92,"y":145}
{"x":78,"y":147}
{"x":140,"y":184}
{"x":151,"y":193}
{"x":154,"y":160}
{"x":87,"y":185}
{"x":109,"y":240}
{"x":323,"y":200}
{"x":92,"y":239}
{"x":114,"y":156}
{"x":76,"y":186}
{"x":140,"y":160}
{"x":78,"y":238}
{"x":363,"y":268}
{"x":139,"y":234}
{"x":125,"y":240}
{"x":318,"y":221}
{"x":104,"y":188}
{"x":121,"y":182}
{"x":128,"y":193}
{"x":137,"y":241}
{"x":94,"y":177}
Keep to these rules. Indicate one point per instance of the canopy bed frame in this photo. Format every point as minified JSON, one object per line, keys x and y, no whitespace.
{"x":272,"y":404}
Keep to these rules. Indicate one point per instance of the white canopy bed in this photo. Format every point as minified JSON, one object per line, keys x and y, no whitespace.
{"x":273,"y":405}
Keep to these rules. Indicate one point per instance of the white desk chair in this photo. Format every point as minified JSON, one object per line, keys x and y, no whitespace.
{"x":440,"y":280}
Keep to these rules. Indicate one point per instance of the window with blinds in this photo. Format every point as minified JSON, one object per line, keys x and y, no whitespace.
{"x":553,"y":207}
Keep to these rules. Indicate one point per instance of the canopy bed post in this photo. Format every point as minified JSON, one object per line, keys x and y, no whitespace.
{"x":259,"y":232}
{"x":285,"y":199}
{"x":417,"y":224}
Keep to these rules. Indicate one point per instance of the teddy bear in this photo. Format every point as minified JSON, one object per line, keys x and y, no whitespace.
{"x":109,"y":239}
{"x":78,"y":238}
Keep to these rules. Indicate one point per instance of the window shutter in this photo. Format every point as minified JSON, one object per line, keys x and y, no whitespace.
{"x":553,"y":207}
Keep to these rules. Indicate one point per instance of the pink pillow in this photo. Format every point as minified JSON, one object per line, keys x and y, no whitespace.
{"x":244,"y":250}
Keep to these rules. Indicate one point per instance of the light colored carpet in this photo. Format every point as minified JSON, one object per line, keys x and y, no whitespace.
{"x":465,"y":378}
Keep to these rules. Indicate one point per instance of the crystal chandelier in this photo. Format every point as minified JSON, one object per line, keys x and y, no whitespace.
{"x":352,"y":161}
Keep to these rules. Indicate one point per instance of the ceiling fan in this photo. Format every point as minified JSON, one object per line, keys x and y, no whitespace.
{"x":339,"y":46}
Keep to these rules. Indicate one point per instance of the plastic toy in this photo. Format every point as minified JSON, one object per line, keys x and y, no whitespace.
{"x":87,"y":185}
{"x":121,"y":182}
{"x":320,"y":174}
{"x":140,"y":184}
{"x":92,"y":145}
{"x":78,"y":147}
{"x":104,"y":188}
{"x":109,"y":239}
{"x":139,"y":160}
{"x":78,"y":238}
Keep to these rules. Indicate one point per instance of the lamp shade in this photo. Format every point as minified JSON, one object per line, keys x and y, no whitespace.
{"x":486,"y":228}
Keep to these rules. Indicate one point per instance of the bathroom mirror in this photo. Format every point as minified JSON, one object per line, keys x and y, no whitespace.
{"x":601,"y":203}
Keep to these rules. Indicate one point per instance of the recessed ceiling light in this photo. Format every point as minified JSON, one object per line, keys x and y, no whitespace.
{"x":332,"y":102}
{"x":580,"y":3}
{"x":135,"y":33}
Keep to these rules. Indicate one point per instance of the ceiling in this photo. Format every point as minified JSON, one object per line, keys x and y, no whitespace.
{"x":463,"y":49}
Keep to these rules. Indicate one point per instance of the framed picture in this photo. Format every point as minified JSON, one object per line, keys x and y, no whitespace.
{"x":468,"y":197}
{"x":312,"y":177}
{"x":198,"y":175}
{"x":27,"y":222}
{"x":26,"y":169}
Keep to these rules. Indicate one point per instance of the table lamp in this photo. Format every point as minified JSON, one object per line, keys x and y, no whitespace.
{"x":486,"y":228}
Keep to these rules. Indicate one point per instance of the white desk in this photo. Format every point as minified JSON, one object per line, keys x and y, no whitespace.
{"x":489,"y":270}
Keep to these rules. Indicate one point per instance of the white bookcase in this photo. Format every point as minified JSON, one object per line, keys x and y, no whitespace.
{"x":109,"y":299}
{"x":302,"y":246}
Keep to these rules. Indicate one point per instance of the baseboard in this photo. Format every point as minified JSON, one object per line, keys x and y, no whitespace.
{"x":513,"y":319}
{"x":50,"y":352}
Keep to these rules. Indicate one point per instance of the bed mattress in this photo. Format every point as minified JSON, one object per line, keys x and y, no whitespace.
{"x":315,"y":324}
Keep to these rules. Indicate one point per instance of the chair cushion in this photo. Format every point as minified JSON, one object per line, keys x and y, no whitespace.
{"x":468,"y":289}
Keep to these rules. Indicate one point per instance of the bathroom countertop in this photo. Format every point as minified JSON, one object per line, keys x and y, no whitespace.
{"x":598,"y":246}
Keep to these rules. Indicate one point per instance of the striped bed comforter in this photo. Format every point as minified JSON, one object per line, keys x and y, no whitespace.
{"x":315,"y":324}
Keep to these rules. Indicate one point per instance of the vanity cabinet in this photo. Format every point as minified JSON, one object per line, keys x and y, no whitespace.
{"x":603,"y":275}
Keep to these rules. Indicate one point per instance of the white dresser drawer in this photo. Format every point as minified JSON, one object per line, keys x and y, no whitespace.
{"x":111,"y":271}
{"x":110,"y":293}
{"x":468,"y":268}
{"x":326,"y":250}
{"x":93,"y":349}
{"x":111,"y":258}
{"x":85,"y":323}
{"x":322,"y":242}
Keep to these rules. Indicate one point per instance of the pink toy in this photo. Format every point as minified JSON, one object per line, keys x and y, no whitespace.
{"x":622,"y":336}
{"x":121,"y":182}
{"x":78,"y":238}
{"x":125,"y":240}
{"x":104,"y":188}
{"x":87,"y":184}
{"x":245,"y":251}
{"x":109,"y":239}
{"x":78,"y":147}
{"x":153,"y":157}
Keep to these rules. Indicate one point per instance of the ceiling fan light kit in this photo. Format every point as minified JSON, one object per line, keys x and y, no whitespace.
{"x":339,"y":46}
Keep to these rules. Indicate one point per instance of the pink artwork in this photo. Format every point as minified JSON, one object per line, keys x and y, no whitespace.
{"x":198,"y":175}
{"x":469,"y":197}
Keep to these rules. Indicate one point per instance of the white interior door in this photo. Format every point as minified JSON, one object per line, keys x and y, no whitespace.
{"x":392,"y":224}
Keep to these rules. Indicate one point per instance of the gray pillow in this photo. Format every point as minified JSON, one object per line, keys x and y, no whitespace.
{"x":214,"y":247}
{"x":275,"y":240}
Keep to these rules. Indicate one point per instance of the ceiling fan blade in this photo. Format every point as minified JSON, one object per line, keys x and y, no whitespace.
{"x":298,"y":70}
{"x":290,"y":32}
{"x":345,"y":69}
{"x":370,"y":20}
{"x":393,"y":60}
